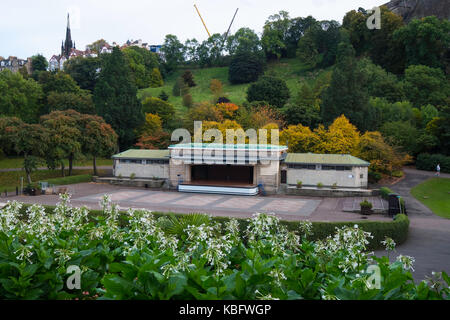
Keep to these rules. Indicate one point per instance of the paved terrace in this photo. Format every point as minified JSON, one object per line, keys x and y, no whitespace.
{"x":286,"y":207}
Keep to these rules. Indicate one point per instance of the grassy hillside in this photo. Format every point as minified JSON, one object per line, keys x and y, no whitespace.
{"x":291,"y":70}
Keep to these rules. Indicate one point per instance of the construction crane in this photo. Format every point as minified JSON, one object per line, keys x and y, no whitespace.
{"x":204,"y":24}
{"x":209,"y":35}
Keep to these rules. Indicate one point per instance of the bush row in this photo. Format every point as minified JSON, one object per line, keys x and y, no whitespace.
{"x":397,"y":229}
{"x":429,"y":162}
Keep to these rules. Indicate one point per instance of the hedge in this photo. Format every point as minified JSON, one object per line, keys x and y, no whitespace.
{"x":429,"y":162}
{"x":397,"y":229}
{"x":385,"y":191}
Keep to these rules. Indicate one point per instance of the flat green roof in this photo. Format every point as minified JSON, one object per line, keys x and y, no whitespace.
{"x":228,"y":146}
{"x":331,"y":159}
{"x":143,"y":154}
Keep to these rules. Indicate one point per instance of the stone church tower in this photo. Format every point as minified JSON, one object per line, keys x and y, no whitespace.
{"x":68,"y":45}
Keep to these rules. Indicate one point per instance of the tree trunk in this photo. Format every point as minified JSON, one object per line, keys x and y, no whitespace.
{"x":70,"y":164}
{"x":28,"y":176}
{"x":62,"y":170}
{"x":94,"y":160}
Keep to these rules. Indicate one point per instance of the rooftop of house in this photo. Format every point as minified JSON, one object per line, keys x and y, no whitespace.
{"x":143,"y":154}
{"x":326,"y":159}
{"x":258,"y":147}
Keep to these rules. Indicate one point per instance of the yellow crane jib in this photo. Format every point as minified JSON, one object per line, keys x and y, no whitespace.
{"x":195,"y":6}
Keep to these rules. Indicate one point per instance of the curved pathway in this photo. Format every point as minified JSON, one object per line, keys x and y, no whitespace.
{"x":429,"y":235}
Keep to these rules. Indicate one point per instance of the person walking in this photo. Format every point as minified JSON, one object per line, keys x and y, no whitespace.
{"x":438,"y":170}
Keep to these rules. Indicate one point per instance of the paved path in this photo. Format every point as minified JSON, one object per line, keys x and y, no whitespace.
{"x":429,"y":235}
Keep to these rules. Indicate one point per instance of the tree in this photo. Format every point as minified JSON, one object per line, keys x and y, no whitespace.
{"x":173,"y":52}
{"x":97,"y":46}
{"x":65,"y":139}
{"x":204,"y":112}
{"x":115,"y":98}
{"x":270,"y":89}
{"x":81,"y":102}
{"x":216,"y":88}
{"x":296,"y":30}
{"x":210,"y":51}
{"x":58,"y":82}
{"x":401,"y":134}
{"x":20,"y":97}
{"x":426,"y":41}
{"x":425,"y":85}
{"x":382,"y":157}
{"x":245,"y":67}
{"x":187,"y":100}
{"x":342,"y":137}
{"x":163,"y":109}
{"x":347,"y":93}
{"x":144,"y":66}
{"x":299,"y":138}
{"x":381,"y":83}
{"x":244,"y":40}
{"x":29,"y":140}
{"x":274,"y":35}
{"x":308,"y":115}
{"x":99,"y":138}
{"x":84,"y":71}
{"x":188,"y":78}
{"x":191,"y":51}
{"x":38,"y":64}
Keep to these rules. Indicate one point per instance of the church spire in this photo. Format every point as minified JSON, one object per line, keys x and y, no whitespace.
{"x":68,"y":44}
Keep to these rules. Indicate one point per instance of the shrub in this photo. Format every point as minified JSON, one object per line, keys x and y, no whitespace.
{"x":397,"y":174}
{"x":188,"y":78}
{"x":429,"y":162}
{"x":334,"y":186}
{"x":163,"y":96}
{"x":187,"y":100}
{"x":245,"y":67}
{"x":177,"y":87}
{"x":223,"y":100}
{"x":385,"y":191}
{"x":132,"y":176}
{"x":365,"y":204}
{"x":299,"y":184}
{"x":374,"y":176}
{"x":320,"y":185}
{"x":270,"y":89}
{"x":216,"y":88}
{"x":163,"y":109}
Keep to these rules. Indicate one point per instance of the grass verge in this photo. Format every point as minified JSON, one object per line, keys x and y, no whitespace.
{"x":435,"y":194}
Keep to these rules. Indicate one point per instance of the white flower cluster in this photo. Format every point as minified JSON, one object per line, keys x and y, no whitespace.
{"x":348,"y":243}
{"x":406,"y":261}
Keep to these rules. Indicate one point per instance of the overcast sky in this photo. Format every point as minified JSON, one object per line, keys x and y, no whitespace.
{"x":28,"y":27}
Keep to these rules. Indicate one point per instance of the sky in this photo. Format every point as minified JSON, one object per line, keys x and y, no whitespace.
{"x":29,"y":27}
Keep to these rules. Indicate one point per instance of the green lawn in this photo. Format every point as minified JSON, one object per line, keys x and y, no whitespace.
{"x":291,"y":70}
{"x":16,"y":162}
{"x":435,"y":194}
{"x":10,"y":180}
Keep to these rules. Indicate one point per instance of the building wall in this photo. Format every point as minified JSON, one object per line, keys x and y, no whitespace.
{"x":268,"y":175}
{"x":177,"y":167}
{"x":349,"y":179}
{"x":141,"y":170}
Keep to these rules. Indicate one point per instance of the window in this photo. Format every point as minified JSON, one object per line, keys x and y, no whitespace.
{"x":337,"y":168}
{"x":302,"y":166}
{"x":130,"y":161}
{"x":157,"y":161}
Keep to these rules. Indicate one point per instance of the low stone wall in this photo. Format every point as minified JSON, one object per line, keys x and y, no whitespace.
{"x":143,"y":183}
{"x":329,"y":193}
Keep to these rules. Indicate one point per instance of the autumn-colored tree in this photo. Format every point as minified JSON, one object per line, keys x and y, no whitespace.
{"x":65,"y":139}
{"x":299,"y":138}
{"x":153,"y":123}
{"x":228,"y":110}
{"x":261,"y":116}
{"x":382,"y":157}
{"x":216,"y":88}
{"x":341,"y":137}
{"x":156,"y":141}
{"x":99,"y":138}
{"x":204,"y":112}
